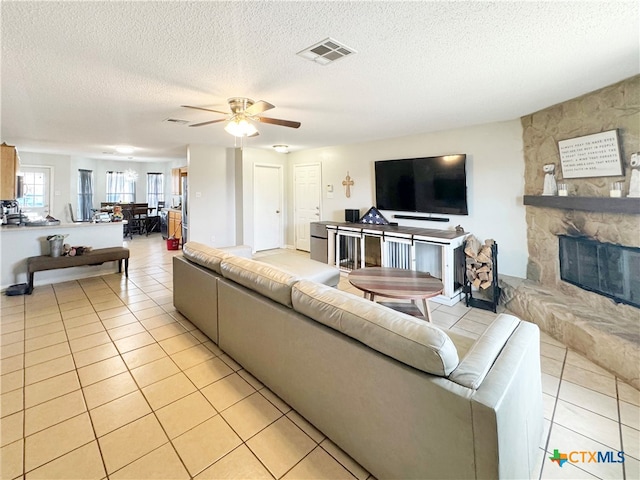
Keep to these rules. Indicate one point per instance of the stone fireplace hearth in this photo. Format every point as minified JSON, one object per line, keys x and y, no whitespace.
{"x":606,"y":332}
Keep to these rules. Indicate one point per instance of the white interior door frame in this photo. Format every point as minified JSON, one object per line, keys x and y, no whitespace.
{"x":278,"y":215}
{"x":297,"y":202}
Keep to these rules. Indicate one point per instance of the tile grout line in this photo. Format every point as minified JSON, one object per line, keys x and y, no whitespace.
{"x":153,"y":411}
{"x":553,"y":414}
{"x":84,"y":398}
{"x":24,"y":389}
{"x":624,"y":470}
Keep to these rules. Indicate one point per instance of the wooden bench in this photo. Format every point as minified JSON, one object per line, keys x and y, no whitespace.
{"x":94,"y":257}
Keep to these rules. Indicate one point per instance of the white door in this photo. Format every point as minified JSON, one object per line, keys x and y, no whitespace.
{"x":307,"y":192}
{"x":267,"y":207}
{"x":36,"y":199}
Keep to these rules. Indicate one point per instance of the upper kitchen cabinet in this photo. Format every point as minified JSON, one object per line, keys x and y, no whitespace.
{"x":9,"y":168}
{"x":176,"y":184}
{"x":175,"y":181}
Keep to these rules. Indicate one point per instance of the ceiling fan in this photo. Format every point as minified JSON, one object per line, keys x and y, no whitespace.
{"x":243,"y":110}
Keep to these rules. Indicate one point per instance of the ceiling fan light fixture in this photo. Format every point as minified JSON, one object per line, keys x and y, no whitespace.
{"x":239,"y":126}
{"x":281,"y":148}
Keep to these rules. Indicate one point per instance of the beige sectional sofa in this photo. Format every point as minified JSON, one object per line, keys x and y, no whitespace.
{"x":402,"y":397}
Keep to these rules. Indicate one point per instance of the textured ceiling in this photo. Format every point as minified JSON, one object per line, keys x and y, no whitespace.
{"x":80,"y":78}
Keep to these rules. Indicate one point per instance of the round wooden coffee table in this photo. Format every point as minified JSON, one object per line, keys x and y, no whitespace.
{"x":397,"y":283}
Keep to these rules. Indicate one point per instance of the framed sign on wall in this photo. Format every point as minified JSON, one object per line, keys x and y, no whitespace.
{"x":596,"y":155}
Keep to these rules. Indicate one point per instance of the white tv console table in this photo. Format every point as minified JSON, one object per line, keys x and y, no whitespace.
{"x":355,"y":245}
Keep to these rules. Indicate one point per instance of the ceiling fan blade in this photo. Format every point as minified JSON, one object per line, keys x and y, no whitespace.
{"x":207,"y":123}
{"x":277,"y":121}
{"x":259,"y":107}
{"x":205,"y":109}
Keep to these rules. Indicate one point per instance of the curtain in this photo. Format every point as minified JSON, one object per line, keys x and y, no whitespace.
{"x":120,"y":189}
{"x":85,"y":194}
{"x":155,"y":189}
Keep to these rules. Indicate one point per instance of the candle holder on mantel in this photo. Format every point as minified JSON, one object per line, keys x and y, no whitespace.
{"x":616,"y":190}
{"x":563,"y":190}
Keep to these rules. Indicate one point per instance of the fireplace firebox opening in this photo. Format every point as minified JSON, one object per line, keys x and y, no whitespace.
{"x":604,"y":268}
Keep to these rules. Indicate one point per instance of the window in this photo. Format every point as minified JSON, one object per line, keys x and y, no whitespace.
{"x":85,"y":194}
{"x":120,"y":188}
{"x":34,"y":189}
{"x":155,"y":189}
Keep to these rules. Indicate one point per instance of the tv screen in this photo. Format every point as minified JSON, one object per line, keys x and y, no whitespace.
{"x":426,"y":185}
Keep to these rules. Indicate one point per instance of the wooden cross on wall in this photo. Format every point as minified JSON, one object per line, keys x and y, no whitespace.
{"x":348,"y":183}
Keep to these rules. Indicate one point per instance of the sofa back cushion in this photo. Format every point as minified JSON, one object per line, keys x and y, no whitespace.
{"x":204,"y":255}
{"x":265,"y":279}
{"x":407,"y":339}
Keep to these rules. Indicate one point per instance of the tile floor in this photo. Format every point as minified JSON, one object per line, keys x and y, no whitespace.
{"x":102,"y":378}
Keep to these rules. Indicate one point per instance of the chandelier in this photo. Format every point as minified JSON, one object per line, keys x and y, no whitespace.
{"x":130,"y":175}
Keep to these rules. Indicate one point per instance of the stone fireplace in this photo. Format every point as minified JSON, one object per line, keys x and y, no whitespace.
{"x":601,"y":328}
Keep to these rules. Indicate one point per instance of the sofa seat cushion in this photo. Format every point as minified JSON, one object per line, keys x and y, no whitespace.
{"x":477,"y":362}
{"x":304,"y":267}
{"x":405,"y":338}
{"x":264,"y":279}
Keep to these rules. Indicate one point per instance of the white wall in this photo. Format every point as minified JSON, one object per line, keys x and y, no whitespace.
{"x":212,"y":205}
{"x":65,"y":178}
{"x":495,"y":182}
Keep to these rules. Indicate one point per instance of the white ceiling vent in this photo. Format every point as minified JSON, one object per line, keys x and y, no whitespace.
{"x":326,"y":51}
{"x":176,"y":120}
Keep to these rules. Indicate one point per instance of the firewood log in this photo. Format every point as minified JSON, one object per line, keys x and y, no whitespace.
{"x":472,"y":246}
{"x":483,"y":276}
{"x":476,"y":283}
{"x":484,"y":268}
{"x":483,"y":258}
{"x":486,"y":284}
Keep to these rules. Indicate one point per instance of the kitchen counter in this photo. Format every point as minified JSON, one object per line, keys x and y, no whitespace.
{"x":18,"y":228}
{"x":17,"y":243}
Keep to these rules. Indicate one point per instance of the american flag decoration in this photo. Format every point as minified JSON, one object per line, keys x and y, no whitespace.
{"x":373,"y":217}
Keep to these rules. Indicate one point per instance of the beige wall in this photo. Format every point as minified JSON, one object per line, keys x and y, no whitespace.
{"x":212,"y":204}
{"x":495,"y":172}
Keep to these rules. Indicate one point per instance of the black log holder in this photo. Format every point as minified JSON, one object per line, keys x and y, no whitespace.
{"x":494,"y":290}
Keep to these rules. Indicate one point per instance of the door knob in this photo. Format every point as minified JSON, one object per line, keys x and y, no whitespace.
{"x":277,"y":211}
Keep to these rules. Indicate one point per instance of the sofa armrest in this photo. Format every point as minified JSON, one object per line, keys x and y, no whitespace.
{"x":507,"y":408}
{"x":478,"y":360}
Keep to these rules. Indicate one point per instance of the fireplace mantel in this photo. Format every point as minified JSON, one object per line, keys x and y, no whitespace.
{"x":628,"y":206}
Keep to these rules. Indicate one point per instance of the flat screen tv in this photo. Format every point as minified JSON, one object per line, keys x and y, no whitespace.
{"x":426,"y":185}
